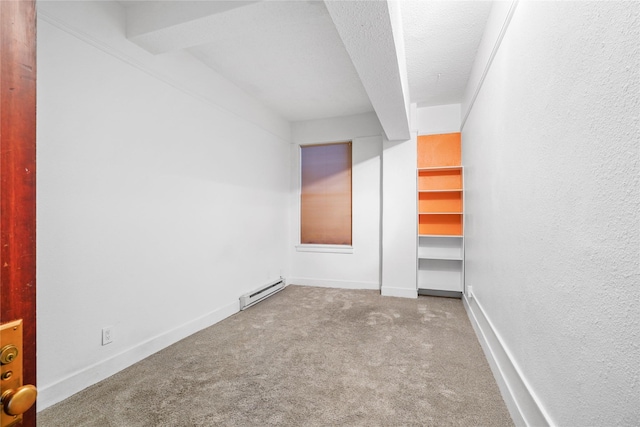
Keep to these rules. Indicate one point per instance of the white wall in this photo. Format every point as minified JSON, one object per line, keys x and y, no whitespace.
{"x":157,"y":207}
{"x":550,"y":149}
{"x":335,"y":129}
{"x":495,"y":28}
{"x":358,"y":268}
{"x":384,"y":210}
{"x":438,"y":119}
{"x":399,"y":221}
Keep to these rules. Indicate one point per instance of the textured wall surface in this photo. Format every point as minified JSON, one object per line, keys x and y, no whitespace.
{"x":335,"y":129}
{"x":361,"y":268}
{"x":439,"y":119}
{"x":152,"y":206}
{"x":399,"y":222}
{"x":553,"y":206}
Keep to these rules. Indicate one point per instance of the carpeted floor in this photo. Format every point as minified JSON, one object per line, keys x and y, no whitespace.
{"x":307,"y":357}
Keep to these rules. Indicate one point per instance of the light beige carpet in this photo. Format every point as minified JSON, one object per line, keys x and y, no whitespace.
{"x":307,"y":357}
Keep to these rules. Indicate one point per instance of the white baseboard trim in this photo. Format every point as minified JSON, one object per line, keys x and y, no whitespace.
{"x":340,"y":284}
{"x":53,"y":393}
{"x":388,"y":291}
{"x":521,"y":401}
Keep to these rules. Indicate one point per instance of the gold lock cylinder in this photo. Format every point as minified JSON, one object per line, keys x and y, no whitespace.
{"x":8,"y":354}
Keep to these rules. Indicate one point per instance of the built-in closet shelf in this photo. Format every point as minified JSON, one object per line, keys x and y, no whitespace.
{"x":441,"y":247}
{"x":440,"y":168}
{"x":440,"y":212}
{"x":440,"y":258}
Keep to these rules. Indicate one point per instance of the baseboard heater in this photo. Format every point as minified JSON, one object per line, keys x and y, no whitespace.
{"x":247,"y":300}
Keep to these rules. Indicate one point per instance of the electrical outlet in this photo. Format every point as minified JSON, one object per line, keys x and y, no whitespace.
{"x":107,"y":335}
{"x":470,"y":292}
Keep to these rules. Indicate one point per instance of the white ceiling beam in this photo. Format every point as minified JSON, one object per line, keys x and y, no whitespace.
{"x":372,"y":34}
{"x":163,"y":26}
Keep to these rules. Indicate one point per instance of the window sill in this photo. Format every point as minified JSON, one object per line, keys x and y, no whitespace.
{"x":334,"y":249}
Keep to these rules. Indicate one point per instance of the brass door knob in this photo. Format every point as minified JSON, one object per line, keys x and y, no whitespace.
{"x":18,"y":401}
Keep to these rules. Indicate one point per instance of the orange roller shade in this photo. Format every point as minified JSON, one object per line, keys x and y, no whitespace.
{"x":325,"y":204}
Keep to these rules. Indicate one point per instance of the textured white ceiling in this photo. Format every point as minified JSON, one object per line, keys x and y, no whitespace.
{"x":289,"y":55}
{"x":368,"y":31}
{"x":441,"y":40}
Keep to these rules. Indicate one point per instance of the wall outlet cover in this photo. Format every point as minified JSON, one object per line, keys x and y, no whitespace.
{"x":107,"y":335}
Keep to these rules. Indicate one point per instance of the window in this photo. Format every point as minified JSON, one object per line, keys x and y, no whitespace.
{"x":325,"y":199}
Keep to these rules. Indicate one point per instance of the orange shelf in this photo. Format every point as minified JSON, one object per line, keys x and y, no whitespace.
{"x":448,"y":179}
{"x":441,"y":225}
{"x":440,"y":202}
{"x":439,"y":150}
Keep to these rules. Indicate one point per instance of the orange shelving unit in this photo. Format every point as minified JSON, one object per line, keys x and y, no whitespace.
{"x":440,"y":225}
{"x":440,"y":202}
{"x":440,"y":178}
{"x":439,"y":150}
{"x":440,"y":185}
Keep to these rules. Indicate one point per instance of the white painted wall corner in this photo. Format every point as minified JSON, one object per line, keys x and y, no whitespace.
{"x":51,"y":394}
{"x":523,"y":405}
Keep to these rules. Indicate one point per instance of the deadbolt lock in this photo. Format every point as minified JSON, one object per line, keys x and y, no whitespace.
{"x":8,"y":354}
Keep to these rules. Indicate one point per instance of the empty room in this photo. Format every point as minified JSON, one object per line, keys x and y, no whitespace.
{"x":373,"y":213}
